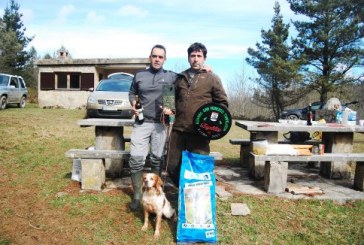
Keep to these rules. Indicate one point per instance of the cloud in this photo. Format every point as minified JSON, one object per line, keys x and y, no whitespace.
{"x":94,"y":17}
{"x":131,"y":10}
{"x":223,"y":51}
{"x":88,"y":43}
{"x":28,"y":15}
{"x":111,"y":42}
{"x":64,"y":12}
{"x":227,"y":28}
{"x":107,"y":1}
{"x":227,"y":6}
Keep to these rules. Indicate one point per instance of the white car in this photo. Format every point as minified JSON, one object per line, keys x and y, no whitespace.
{"x":13,"y":90}
{"x":110,"y":99}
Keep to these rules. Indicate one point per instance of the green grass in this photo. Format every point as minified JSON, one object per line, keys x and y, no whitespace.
{"x":34,"y":171}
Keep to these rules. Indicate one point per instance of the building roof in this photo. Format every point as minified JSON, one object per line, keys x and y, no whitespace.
{"x":92,"y":62}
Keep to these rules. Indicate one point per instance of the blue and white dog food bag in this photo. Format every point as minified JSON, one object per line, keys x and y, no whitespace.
{"x":196,"y":199}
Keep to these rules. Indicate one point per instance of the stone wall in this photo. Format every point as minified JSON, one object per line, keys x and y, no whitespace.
{"x":63,"y":99}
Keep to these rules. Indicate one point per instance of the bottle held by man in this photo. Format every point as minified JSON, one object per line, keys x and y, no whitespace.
{"x":139,"y":108}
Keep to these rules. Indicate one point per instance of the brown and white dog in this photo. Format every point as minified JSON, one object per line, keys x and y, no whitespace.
{"x":154,"y":201}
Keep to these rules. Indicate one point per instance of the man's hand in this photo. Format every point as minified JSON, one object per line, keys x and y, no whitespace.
{"x":133,"y":109}
{"x":167,"y":111}
{"x":206,"y":68}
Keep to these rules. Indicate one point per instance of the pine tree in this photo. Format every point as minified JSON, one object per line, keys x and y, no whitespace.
{"x":330,"y":41}
{"x":13,"y":22}
{"x":14,"y":56}
{"x":277,"y":70}
{"x":9,"y":48}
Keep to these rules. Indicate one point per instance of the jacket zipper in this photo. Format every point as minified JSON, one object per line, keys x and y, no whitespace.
{"x":194,"y":82}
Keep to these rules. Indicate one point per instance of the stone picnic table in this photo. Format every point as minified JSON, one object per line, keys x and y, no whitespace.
{"x":337,"y":138}
{"x":109,"y":135}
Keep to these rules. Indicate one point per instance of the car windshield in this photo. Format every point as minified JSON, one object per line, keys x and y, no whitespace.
{"x":4,"y":80}
{"x":120,"y":76}
{"x":316,"y":106}
{"x":116,"y":85}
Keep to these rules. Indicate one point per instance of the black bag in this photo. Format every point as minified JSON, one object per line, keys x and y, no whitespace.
{"x":297,"y":137}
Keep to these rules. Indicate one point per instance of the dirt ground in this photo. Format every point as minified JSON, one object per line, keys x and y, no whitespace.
{"x":28,"y":220}
{"x":54,"y":218}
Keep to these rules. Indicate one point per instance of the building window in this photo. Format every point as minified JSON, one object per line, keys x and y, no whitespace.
{"x":47,"y":81}
{"x":62,"y":80}
{"x":68,"y":81}
{"x":75,"y":81}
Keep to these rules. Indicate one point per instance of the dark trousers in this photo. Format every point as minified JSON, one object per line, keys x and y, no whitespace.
{"x":180,"y":141}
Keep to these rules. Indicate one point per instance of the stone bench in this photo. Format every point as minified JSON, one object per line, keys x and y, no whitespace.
{"x":246,"y":142}
{"x":93,"y":172}
{"x":96,"y":154}
{"x":276,"y":168}
{"x":245,"y":148}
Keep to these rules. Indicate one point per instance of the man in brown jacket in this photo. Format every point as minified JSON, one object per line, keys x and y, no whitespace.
{"x":194,"y":88}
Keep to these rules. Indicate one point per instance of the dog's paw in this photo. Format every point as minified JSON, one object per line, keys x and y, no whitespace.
{"x":156,"y":235}
{"x":144,"y":228}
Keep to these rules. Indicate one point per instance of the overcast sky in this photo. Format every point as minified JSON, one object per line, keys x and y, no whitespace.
{"x":126,"y":29}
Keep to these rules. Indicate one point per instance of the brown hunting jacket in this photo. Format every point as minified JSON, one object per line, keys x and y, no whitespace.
{"x":204,"y":87}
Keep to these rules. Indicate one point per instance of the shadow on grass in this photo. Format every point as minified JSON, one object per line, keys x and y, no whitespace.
{"x":67,"y":175}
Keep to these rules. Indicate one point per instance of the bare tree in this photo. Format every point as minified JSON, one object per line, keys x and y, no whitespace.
{"x":238,"y":93}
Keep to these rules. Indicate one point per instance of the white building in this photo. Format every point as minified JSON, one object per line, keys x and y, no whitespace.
{"x":65,"y":82}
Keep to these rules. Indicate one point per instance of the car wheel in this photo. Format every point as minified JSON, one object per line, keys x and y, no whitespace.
{"x":3,"y":102}
{"x":22,"y":102}
{"x":292,"y":117}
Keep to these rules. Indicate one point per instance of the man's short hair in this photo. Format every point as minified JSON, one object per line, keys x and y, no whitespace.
{"x":197,"y":47}
{"x":160,"y":47}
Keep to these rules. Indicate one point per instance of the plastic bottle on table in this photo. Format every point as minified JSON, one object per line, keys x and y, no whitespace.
{"x":309,"y":116}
